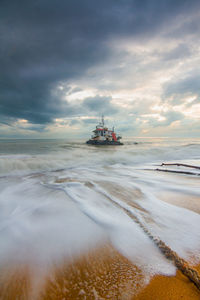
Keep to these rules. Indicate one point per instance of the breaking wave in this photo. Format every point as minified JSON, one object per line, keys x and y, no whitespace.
{"x":67,"y":155}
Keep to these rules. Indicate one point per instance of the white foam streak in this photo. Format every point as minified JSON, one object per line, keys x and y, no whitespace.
{"x":38,"y":224}
{"x":60,"y":203}
{"x":125,"y":235}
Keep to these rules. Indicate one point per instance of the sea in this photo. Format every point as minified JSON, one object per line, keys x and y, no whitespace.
{"x":61,"y":198}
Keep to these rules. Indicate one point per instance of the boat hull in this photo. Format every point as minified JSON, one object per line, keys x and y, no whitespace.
{"x":104,"y":143}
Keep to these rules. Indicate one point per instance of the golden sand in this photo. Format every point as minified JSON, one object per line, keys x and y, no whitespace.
{"x":14,"y":283}
{"x":100,"y":274}
{"x":169,"y":288}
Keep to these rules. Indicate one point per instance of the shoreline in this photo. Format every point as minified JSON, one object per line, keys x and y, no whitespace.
{"x":102,"y":273}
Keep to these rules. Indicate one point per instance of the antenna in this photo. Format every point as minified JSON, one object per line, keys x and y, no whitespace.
{"x":102,"y":120}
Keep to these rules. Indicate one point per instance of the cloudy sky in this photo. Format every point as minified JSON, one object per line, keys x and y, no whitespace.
{"x":65,"y":63}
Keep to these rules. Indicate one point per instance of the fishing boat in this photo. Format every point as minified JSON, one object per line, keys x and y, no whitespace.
{"x":104,"y":136}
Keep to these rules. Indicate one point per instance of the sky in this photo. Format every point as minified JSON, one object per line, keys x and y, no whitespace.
{"x":65,"y":63}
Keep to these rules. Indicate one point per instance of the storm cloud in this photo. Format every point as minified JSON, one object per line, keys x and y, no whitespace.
{"x":64,"y":59}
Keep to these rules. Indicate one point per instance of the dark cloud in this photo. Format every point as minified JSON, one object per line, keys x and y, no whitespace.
{"x":47,"y":42}
{"x":172,"y":116}
{"x":188,"y":26}
{"x":169,"y":118}
{"x":179,"y":52}
{"x":176,"y":90}
{"x":99,"y":105}
{"x":83,"y":122}
{"x":91,"y":121}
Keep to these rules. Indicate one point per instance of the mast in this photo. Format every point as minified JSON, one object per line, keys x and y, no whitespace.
{"x":102,"y":120}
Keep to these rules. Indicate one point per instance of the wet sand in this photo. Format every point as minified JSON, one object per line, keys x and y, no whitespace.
{"x":100,"y":274}
{"x":106,"y":274}
{"x":173,"y":288}
{"x":190,"y":202}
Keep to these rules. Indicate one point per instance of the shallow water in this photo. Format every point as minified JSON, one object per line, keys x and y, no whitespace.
{"x":60,"y":199}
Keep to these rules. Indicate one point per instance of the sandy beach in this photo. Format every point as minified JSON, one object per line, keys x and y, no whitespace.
{"x":77,"y":228}
{"x":100,"y":274}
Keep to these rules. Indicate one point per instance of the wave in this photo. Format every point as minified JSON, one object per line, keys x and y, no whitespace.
{"x":61,"y":213}
{"x":73,"y":156}
{"x":97,"y":202}
{"x":192,"y":145}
